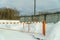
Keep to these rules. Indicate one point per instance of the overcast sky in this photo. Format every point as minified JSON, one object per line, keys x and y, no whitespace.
{"x":26,"y":6}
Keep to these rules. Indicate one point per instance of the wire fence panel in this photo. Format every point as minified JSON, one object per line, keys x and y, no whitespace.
{"x":52,"y":18}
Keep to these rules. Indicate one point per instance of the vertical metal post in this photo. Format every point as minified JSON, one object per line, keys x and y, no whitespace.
{"x":44,"y":25}
{"x":23,"y":26}
{"x":44,"y":28}
{"x":34,"y":7}
{"x":28,"y":27}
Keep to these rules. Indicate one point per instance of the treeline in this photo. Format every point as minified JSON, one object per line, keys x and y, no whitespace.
{"x":9,"y":14}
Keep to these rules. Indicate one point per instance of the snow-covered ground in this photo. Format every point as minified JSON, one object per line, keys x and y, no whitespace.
{"x":55,"y":32}
{"x":14,"y":35}
{"x":52,"y":31}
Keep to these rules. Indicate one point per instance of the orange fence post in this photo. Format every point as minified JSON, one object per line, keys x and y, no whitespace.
{"x":44,"y":27}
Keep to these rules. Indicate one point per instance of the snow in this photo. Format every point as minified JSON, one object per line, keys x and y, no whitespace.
{"x":40,"y":36}
{"x":34,"y":27}
{"x":14,"y":35}
{"x":52,"y":31}
{"x":49,"y":28}
{"x":55,"y":33}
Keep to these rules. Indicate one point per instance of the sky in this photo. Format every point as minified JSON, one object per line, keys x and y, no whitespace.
{"x":26,"y":7}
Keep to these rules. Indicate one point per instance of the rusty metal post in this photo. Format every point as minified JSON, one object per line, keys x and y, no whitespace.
{"x":44,"y":28}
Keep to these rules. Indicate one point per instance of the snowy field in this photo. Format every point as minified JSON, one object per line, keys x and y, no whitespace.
{"x":14,"y":35}
{"x":52,"y":31}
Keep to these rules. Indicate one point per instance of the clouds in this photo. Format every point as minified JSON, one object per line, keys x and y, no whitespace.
{"x":26,"y":6}
{"x":47,"y":4}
